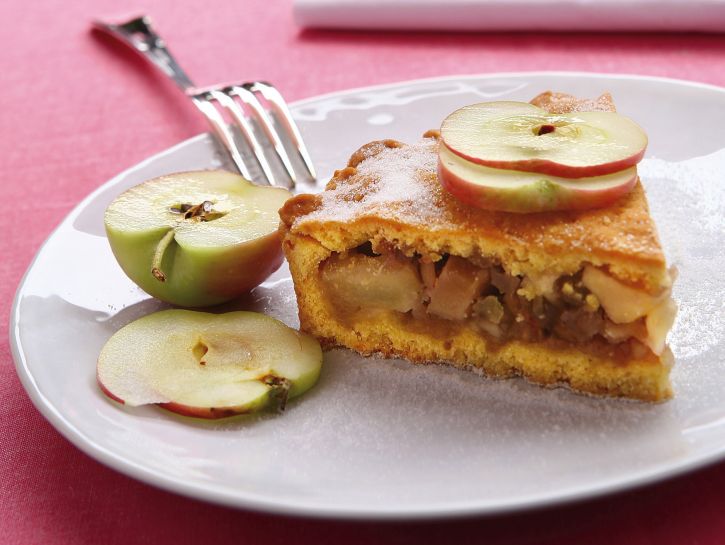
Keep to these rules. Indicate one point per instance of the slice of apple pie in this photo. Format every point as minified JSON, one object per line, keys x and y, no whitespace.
{"x":386,"y":261}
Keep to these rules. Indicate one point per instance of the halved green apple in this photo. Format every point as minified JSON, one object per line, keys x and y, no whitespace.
{"x":520,"y":136}
{"x":525,"y":192}
{"x":208,"y":365}
{"x":197,"y":238}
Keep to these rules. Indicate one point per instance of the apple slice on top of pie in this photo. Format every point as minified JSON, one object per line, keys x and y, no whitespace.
{"x":387,"y":261}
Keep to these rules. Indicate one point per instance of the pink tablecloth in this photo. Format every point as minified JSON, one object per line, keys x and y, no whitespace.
{"x":75,"y":111}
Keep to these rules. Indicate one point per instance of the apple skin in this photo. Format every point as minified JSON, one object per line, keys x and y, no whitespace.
{"x":201,"y":275}
{"x":206,"y":413}
{"x":106,"y":391}
{"x":213,"y":413}
{"x":210,"y":276}
{"x":539,"y":196}
{"x":466,"y":121}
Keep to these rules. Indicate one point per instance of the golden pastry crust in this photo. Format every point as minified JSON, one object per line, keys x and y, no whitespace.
{"x":389,"y":194}
{"x":561,"y":103}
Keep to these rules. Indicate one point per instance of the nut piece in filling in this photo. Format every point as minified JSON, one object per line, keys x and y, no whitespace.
{"x":386,"y":261}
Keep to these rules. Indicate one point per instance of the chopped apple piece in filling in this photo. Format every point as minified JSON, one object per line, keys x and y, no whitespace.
{"x":622,"y":303}
{"x":457,"y":287}
{"x":617,"y":333}
{"x":659,"y":322}
{"x":385,"y":282}
{"x":489,"y":308}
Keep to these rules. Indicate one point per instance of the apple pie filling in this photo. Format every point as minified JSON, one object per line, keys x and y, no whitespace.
{"x":590,"y":308}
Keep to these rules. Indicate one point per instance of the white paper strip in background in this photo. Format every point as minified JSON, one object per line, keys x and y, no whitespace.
{"x":506,"y":15}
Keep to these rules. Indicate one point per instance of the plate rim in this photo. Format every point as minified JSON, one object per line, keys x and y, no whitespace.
{"x":253,"y":502}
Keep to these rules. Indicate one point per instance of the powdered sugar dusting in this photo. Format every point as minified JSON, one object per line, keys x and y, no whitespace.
{"x":394,"y":182}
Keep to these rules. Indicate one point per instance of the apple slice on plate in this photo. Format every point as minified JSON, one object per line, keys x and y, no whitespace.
{"x":520,"y":136}
{"x":208,"y":365}
{"x":525,"y":192}
{"x":197,"y":238}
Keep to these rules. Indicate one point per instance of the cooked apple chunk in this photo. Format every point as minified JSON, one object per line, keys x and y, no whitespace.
{"x":457,"y":287}
{"x":622,"y":303}
{"x":359,"y":281}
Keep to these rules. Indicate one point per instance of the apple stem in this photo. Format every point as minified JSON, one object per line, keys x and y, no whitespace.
{"x":280,"y":390}
{"x":159,"y":255}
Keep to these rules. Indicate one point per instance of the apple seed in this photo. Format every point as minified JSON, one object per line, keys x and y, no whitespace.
{"x":545,"y":129}
{"x":201,"y":212}
{"x":199,"y":350}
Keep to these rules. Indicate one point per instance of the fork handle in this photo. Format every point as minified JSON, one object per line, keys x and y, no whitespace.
{"x":138,"y":33}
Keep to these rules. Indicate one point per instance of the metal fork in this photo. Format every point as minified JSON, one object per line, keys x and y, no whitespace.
{"x":214,"y":101}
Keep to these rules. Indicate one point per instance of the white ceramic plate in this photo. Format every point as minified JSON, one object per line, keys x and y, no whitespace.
{"x":385,"y":439}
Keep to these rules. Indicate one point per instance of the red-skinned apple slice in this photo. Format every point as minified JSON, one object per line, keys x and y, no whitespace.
{"x":208,"y":365}
{"x":525,"y":192}
{"x":520,"y":136}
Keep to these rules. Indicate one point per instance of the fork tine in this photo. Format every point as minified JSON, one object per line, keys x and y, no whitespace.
{"x":201,"y":101}
{"x":274,"y":97}
{"x":243,"y":125}
{"x":262,"y":117}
